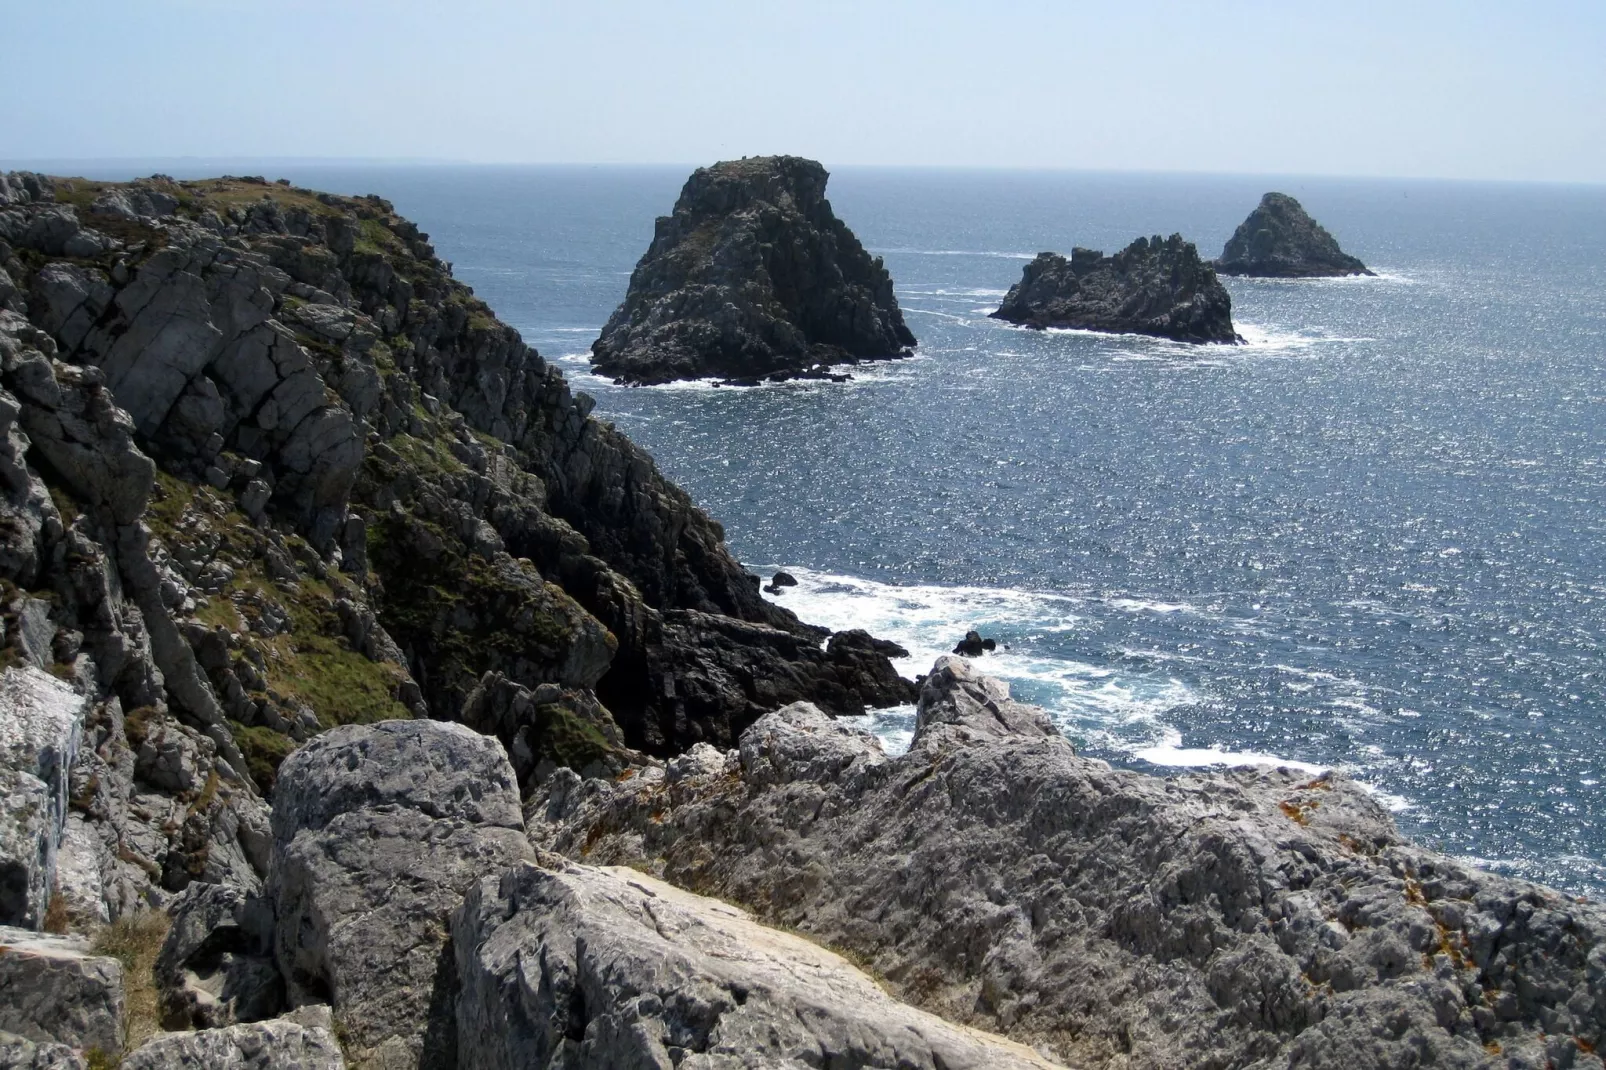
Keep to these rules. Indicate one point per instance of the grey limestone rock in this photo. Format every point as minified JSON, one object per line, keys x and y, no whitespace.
{"x":1156,"y":286}
{"x":276,"y":1045}
{"x":19,"y":1053}
{"x":379,"y":831}
{"x":1281,"y":240}
{"x":598,"y":968}
{"x":41,"y":727}
{"x":752,"y":277}
{"x":1251,"y":917}
{"x":53,"y":990}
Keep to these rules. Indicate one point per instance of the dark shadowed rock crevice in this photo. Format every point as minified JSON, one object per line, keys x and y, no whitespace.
{"x":752,"y":277}
{"x":1156,"y":286}
{"x":1281,"y":240}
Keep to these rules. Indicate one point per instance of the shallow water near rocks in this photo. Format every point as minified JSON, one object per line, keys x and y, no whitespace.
{"x":1370,"y":538}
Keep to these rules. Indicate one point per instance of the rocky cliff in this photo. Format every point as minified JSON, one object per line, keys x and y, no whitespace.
{"x":753,"y":277}
{"x":1280,"y":240}
{"x":1251,"y":918}
{"x":266,"y":468}
{"x":1155,"y":286}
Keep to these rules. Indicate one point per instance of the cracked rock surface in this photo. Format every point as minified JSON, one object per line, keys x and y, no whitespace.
{"x":1244,"y":918}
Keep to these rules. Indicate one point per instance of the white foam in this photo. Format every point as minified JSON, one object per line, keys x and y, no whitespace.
{"x":997,"y":254}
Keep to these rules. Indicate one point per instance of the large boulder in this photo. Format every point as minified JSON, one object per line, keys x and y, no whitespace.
{"x":991,"y":875}
{"x":1281,"y":240}
{"x":752,"y":277}
{"x":599,"y":967}
{"x":275,"y":1045}
{"x":1156,"y":286}
{"x":41,"y":725}
{"x":378,"y":832}
{"x":53,"y":990}
{"x":19,"y":1053}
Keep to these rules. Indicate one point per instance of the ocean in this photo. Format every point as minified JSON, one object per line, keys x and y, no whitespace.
{"x":1369,"y":539}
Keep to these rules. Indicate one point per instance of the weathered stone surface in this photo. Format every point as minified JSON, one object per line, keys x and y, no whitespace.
{"x":1244,"y":918}
{"x":379,"y":830}
{"x":41,"y":725}
{"x":589,"y":967}
{"x":1281,"y":240}
{"x":1155,"y":286}
{"x":52,"y":990}
{"x":275,"y":1045}
{"x":19,"y":1053}
{"x":752,"y":277}
{"x":216,"y":966}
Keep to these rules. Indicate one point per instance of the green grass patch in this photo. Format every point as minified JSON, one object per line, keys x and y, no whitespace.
{"x":264,"y":749}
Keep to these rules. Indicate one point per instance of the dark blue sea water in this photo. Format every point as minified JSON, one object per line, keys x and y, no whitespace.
{"x":1371,"y":538}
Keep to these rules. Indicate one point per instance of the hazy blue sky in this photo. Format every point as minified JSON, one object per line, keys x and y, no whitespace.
{"x":1472,"y":89}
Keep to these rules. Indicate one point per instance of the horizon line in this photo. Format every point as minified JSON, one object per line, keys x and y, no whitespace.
{"x":36,"y":162}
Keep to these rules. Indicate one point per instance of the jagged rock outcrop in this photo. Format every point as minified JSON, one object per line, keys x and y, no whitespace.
{"x":599,"y":968}
{"x":1280,"y":240}
{"x":265,"y":468}
{"x":1244,"y":918}
{"x":1155,"y":286}
{"x":379,"y":831}
{"x":54,"y":991}
{"x":753,"y":277}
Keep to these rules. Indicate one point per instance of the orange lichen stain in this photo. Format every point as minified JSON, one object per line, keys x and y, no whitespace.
{"x":1493,"y":1047}
{"x":1298,"y":813}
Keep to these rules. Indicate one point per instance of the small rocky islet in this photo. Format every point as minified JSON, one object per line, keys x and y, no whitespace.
{"x":365,"y":701}
{"x":752,"y":278}
{"x":1155,"y":286}
{"x":1280,"y":240}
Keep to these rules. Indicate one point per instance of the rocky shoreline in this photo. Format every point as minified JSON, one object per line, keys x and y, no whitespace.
{"x":1156,"y":286}
{"x":752,"y":279}
{"x":365,"y":701}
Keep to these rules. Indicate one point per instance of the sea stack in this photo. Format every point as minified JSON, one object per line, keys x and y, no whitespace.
{"x":1155,"y":286}
{"x":1280,"y":240}
{"x":752,"y":278}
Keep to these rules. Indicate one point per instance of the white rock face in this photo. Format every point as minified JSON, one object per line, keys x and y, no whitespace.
{"x":41,"y":723}
{"x":601,"y":967}
{"x":52,"y":990}
{"x":275,"y":1045}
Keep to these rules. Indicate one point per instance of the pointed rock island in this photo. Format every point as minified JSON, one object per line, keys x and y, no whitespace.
{"x":1155,"y":286}
{"x":753,"y":277}
{"x":1280,"y":240}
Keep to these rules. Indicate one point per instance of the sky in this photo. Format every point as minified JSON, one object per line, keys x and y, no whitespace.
{"x":1475,"y":89}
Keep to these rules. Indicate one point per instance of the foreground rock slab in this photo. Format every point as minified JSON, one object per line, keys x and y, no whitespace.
{"x":379,"y":830}
{"x":753,"y":277}
{"x":1156,"y":286}
{"x":598,"y":967}
{"x":275,"y":1045}
{"x":1281,"y":240}
{"x":18,"y":1053}
{"x":1245,"y":918}
{"x":54,"y":991}
{"x":41,"y":724}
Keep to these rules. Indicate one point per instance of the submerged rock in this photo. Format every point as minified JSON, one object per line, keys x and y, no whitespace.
{"x":753,"y":277}
{"x":1155,"y":286}
{"x":974,"y":646}
{"x":1281,"y":240}
{"x":991,"y":875}
{"x":592,"y":967}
